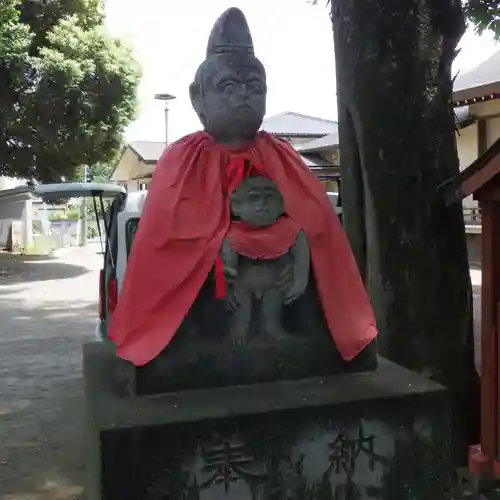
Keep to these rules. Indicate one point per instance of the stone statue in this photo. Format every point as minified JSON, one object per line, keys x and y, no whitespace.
{"x":265,"y":256}
{"x":229,"y":88}
{"x":190,"y":249}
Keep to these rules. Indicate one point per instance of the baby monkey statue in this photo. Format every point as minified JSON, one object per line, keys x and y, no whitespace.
{"x":265,"y":257}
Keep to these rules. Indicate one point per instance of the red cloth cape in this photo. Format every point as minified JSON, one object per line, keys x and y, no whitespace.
{"x":263,"y":242}
{"x":183,"y":223}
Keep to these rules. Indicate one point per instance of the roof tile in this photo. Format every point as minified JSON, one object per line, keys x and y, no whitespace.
{"x":296,"y":124}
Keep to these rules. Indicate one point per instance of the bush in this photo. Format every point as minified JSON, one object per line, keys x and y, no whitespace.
{"x":56,"y":217}
{"x":73,"y":214}
{"x":92,"y":232}
{"x":37,"y":226}
{"x":41,"y":245}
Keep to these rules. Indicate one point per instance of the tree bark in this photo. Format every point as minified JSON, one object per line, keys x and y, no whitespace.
{"x":397,"y":143}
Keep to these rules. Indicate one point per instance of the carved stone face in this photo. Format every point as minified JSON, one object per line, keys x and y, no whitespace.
{"x":258,"y":202}
{"x":229,"y":96}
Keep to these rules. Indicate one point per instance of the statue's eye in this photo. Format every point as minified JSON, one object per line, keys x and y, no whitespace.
{"x":255,"y":86}
{"x":227,"y":85}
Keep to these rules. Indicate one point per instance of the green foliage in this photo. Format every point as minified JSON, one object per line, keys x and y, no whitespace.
{"x":72,"y":214}
{"x":57,"y":217}
{"x":16,"y":68}
{"x":484,"y":15}
{"x":41,"y":245}
{"x":93,"y":213}
{"x":37,"y":226}
{"x":67,"y":90}
{"x":100,"y":172}
{"x":92,"y":232}
{"x":43,"y":16}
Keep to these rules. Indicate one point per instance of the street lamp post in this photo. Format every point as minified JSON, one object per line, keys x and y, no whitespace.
{"x":166,"y":98}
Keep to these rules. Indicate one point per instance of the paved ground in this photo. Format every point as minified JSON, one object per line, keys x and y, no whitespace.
{"x":47,"y":309}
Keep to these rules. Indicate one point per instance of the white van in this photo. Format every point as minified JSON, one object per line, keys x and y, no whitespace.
{"x":121,"y":221}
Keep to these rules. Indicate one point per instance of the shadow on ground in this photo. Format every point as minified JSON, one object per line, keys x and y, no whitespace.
{"x":25,"y":268}
{"x":41,"y":400}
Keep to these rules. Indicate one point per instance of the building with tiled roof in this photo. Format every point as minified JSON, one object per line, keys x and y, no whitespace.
{"x":137,"y":162}
{"x":296,"y":125}
{"x":480,"y":84}
{"x":478,"y":92}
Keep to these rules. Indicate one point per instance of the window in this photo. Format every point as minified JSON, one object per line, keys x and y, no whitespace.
{"x":330,"y":185}
{"x":143,"y":186}
{"x":130,"y":230}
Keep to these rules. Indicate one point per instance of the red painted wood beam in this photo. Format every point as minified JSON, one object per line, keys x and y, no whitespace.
{"x":483,"y":457}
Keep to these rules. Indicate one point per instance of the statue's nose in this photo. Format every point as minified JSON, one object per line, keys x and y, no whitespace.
{"x":245,"y":91}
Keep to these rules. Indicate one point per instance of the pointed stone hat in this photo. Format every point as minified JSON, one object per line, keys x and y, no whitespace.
{"x":230,"y":35}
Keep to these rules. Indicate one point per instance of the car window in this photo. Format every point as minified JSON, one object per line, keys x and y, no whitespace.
{"x":111,"y":250}
{"x":130,"y":230}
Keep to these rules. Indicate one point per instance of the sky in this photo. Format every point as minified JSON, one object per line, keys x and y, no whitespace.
{"x":292,"y":38}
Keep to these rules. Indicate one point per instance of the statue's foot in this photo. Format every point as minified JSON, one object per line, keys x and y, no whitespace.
{"x":238,"y":337}
{"x":276,"y":332}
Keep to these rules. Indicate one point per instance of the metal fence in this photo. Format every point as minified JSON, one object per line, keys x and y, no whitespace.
{"x":472,"y":216}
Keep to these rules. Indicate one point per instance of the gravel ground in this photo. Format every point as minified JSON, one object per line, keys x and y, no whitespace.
{"x":47,"y":310}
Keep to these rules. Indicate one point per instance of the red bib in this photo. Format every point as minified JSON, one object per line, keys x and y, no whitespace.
{"x":263,"y":242}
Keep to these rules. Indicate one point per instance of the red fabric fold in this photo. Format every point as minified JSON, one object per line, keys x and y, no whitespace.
{"x":185,"y":219}
{"x":263,"y":242}
{"x":241,"y":167}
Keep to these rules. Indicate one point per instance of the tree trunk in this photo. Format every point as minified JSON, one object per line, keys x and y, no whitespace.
{"x":393,"y":60}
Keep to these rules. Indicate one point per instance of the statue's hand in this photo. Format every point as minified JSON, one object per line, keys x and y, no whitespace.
{"x":293,"y":294}
{"x":230,"y":274}
{"x":229,"y":262}
{"x":231,"y":299}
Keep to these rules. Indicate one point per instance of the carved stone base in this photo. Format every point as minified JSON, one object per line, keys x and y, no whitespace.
{"x":382,"y":435}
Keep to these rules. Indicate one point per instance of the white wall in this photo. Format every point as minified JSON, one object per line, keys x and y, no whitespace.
{"x":467,"y":153}
{"x":130,"y":167}
{"x":11,"y":182}
{"x":492,"y":130}
{"x":485,"y":109}
{"x":467,"y":145}
{"x":137,"y":185}
{"x":467,"y":139}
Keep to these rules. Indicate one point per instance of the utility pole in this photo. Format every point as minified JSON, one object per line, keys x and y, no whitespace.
{"x":166,"y":98}
{"x":83,"y":211}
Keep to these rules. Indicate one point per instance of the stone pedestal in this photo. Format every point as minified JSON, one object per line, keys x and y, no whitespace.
{"x":209,"y":365}
{"x":381,"y":435}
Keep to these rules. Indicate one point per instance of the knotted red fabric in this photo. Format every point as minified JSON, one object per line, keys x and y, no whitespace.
{"x":263,"y":242}
{"x":238,"y":169}
{"x":186,"y":217}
